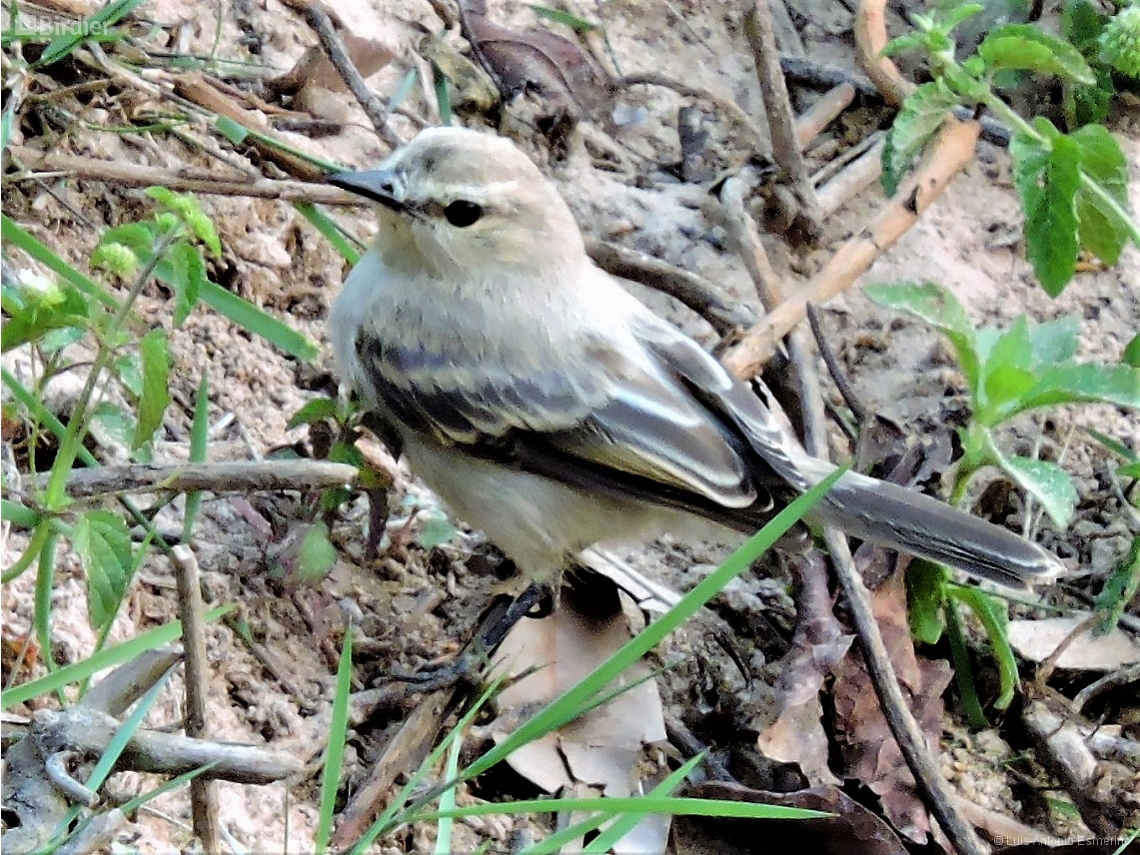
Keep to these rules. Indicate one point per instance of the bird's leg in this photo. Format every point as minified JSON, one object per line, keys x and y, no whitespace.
{"x":537,"y":601}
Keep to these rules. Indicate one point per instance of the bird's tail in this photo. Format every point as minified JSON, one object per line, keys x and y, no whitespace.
{"x":912,"y":522}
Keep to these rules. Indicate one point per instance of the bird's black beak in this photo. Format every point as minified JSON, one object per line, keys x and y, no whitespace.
{"x":379,"y":185}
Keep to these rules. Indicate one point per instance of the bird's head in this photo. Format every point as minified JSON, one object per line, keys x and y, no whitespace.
{"x":458,"y":198}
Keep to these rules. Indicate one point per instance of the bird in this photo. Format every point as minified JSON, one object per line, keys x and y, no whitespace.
{"x":551,"y":409}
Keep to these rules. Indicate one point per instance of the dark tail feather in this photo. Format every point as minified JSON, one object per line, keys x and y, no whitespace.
{"x":907,"y":520}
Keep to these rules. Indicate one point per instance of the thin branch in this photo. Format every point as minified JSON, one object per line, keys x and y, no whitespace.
{"x":696,"y":292}
{"x":233,"y":477}
{"x":191,"y":611}
{"x":953,"y":149}
{"x":781,"y":119}
{"x":183,"y":179}
{"x":322,"y":25}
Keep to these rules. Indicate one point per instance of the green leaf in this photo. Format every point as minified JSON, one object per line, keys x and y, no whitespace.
{"x":316,"y":555}
{"x":917,"y":121}
{"x":328,"y":227}
{"x":1130,"y":470}
{"x":939,"y":307}
{"x":1054,"y":341}
{"x":1119,"y":588}
{"x":1084,"y":382}
{"x":199,"y":442}
{"x":103,"y":544}
{"x":1051,"y":217}
{"x":925,"y":597}
{"x":94,"y":27}
{"x":156,"y":385}
{"x":189,"y":276}
{"x":957,"y":15}
{"x":1081,"y":24}
{"x":117,"y":422}
{"x":1132,"y":352}
{"x":16,"y":236}
{"x":1006,"y":371}
{"x":436,"y":531}
{"x":129,"y":369}
{"x":1047,"y":482}
{"x":1101,"y":231}
{"x":34,"y":310}
{"x":903,"y":43}
{"x":1028,"y":47}
{"x":442,"y":93}
{"x":99,"y":661}
{"x":313,"y":411}
{"x":231,"y":130}
{"x":258,"y":322}
{"x":995,"y":620}
{"x":560,"y":17}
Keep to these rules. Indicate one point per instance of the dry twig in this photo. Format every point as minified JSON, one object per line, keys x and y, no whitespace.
{"x":953,"y":149}
{"x":192,"y":612}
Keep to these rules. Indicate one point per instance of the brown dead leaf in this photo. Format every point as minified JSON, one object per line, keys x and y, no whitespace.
{"x":1036,"y":640}
{"x":868,"y":747}
{"x":563,"y":75}
{"x":853,"y":830}
{"x":603,"y":749}
{"x":797,"y":735}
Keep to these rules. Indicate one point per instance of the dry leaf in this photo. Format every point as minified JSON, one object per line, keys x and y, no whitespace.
{"x":554,"y":68}
{"x":868,"y":746}
{"x":797,"y":735}
{"x":603,"y":749}
{"x":1036,"y":640}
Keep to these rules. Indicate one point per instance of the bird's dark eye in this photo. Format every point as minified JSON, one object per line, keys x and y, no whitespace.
{"x":462,"y":213}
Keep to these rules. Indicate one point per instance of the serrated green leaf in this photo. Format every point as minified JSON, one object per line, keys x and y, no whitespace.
{"x":313,"y":411}
{"x":103,"y":544}
{"x":1081,"y":24}
{"x":1028,"y":47}
{"x":188,"y":272}
{"x":939,"y":307}
{"x":1047,"y":482}
{"x":1102,"y":232}
{"x":156,"y":385}
{"x":1085,"y":383}
{"x":33,"y":313}
{"x":1051,"y":218}
{"x":1119,"y":589}
{"x":1132,"y":352}
{"x":925,"y":597}
{"x":917,"y":121}
{"x":901,"y":44}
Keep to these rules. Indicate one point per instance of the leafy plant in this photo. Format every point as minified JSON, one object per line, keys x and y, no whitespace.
{"x":1073,"y":187}
{"x":126,"y":387}
{"x":1007,"y":373}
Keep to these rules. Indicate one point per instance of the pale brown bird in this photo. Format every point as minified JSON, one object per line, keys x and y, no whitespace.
{"x":551,"y":409}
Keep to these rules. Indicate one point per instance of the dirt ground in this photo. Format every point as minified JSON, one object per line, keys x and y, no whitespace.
{"x":416,"y":604}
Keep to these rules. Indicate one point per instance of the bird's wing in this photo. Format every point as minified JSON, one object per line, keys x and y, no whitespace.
{"x":607,"y":417}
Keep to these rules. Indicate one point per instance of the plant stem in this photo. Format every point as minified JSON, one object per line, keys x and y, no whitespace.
{"x":55,"y":496}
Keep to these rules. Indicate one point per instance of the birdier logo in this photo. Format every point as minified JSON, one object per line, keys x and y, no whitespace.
{"x":42,"y":26}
